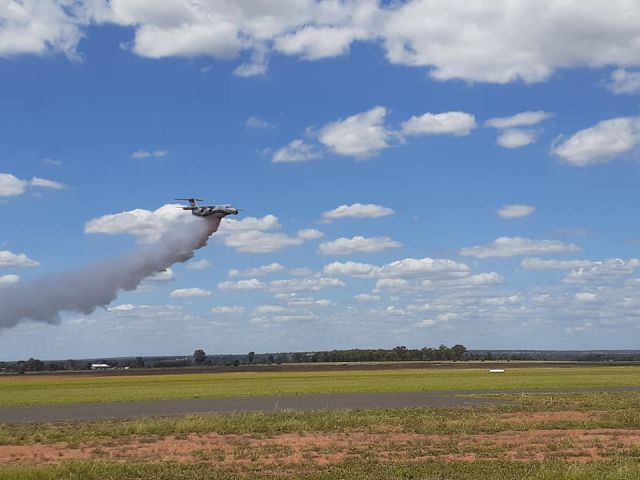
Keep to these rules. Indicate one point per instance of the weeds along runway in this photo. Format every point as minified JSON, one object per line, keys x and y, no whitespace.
{"x":151,"y":408}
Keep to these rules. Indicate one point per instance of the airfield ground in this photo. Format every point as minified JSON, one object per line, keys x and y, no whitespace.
{"x":544,"y":436}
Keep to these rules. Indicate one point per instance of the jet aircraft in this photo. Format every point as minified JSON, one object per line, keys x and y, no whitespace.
{"x":218,"y":211}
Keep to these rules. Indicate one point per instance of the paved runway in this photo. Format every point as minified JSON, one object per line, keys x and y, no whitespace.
{"x":126,"y":410}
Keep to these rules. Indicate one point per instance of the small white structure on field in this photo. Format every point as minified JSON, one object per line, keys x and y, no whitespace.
{"x":496,"y":370}
{"x":100,"y":366}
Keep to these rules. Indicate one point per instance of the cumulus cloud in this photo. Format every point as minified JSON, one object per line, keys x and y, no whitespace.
{"x":625,"y":82}
{"x":256,"y":235}
{"x":405,"y":268}
{"x":540,"y":264}
{"x":38,"y":27}
{"x":258,"y":271}
{"x":190,"y":293}
{"x":601,"y":143}
{"x":603,"y":271}
{"x":586,"y":297}
{"x":513,"y":137}
{"x":11,"y":186}
{"x":357,"y":210}
{"x":313,"y":284}
{"x":451,"y":123}
{"x":252,"y":284}
{"x":10,"y":259}
{"x":522,"y":119}
{"x":149,"y":153}
{"x":361,"y":136}
{"x":515,"y":211}
{"x":514,"y":246}
{"x":148,"y":226}
{"x":366,"y":297}
{"x":8,"y":280}
{"x":347,"y":246}
{"x":296,"y":151}
{"x":227,"y":310}
{"x":516,"y":138}
{"x":198,"y":264}
{"x":499,"y":44}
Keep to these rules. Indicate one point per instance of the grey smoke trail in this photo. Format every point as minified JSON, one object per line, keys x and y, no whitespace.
{"x":98,"y":284}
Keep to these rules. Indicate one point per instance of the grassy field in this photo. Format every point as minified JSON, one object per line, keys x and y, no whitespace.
{"x":573,"y":436}
{"x":26,"y":390}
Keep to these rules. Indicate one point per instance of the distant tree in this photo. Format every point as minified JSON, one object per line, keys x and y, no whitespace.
{"x":34,"y":365}
{"x":458,"y":351}
{"x":236,"y":363}
{"x":281,"y":358}
{"x":251,"y":356}
{"x":199,"y":356}
{"x":140,"y":362}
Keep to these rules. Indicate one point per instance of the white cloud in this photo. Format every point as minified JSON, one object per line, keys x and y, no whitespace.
{"x":361,"y":136}
{"x":296,"y":151}
{"x":227,"y":310}
{"x":265,"y":309}
{"x":147,"y":226}
{"x":252,"y":284}
{"x":10,"y":259}
{"x":366,"y":297}
{"x":515,"y":211}
{"x":44,"y":183}
{"x":310,"y":234}
{"x":10,"y":185}
{"x":149,"y":154}
{"x":603,"y":271}
{"x":540,"y":264}
{"x":522,"y":119}
{"x":357,"y":210}
{"x":513,"y":137}
{"x":624,"y":82}
{"x":257,"y":122}
{"x":516,"y":138}
{"x":189,"y":293}
{"x":7,"y":280}
{"x":347,"y":246}
{"x":586,"y":297}
{"x":349,"y":268}
{"x":258,"y":271}
{"x":490,"y":42}
{"x":38,"y":27}
{"x":314,"y":43}
{"x":405,"y":268}
{"x":501,"y":42}
{"x":257,"y":64}
{"x":310,"y":284}
{"x":514,"y":246}
{"x":198,"y":264}
{"x":451,"y":123}
{"x":391,"y":284}
{"x":601,"y":143}
{"x":253,"y":235}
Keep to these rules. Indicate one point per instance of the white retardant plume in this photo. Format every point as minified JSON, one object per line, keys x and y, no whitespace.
{"x":98,"y":284}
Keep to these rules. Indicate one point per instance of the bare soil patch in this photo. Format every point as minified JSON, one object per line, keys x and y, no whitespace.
{"x":320,"y":449}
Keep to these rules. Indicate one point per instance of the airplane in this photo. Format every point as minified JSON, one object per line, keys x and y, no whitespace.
{"x":218,"y":211}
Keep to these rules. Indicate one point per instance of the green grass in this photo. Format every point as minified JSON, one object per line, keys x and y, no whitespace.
{"x":64,"y":390}
{"x":619,"y":469}
{"x":615,"y":410}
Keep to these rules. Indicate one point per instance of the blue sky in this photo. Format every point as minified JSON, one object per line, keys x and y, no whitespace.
{"x":448,"y":226}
